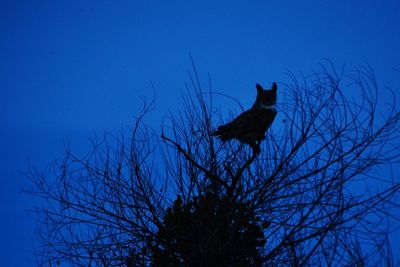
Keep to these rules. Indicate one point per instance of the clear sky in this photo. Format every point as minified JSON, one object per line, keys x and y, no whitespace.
{"x":73,"y":68}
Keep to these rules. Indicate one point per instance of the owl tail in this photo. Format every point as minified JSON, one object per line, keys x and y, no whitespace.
{"x":221,"y":134}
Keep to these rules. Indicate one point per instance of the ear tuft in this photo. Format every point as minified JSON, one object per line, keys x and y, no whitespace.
{"x":259,"y":87}
{"x":274,"y":86}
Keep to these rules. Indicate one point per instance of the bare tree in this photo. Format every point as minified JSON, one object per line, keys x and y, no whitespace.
{"x":317,"y":194}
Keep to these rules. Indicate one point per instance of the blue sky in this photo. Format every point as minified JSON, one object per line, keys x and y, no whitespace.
{"x":73,"y":68}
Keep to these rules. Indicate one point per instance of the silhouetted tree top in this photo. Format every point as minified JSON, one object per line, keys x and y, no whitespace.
{"x":318,"y":193}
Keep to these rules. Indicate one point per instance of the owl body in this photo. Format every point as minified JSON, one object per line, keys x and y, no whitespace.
{"x":250,"y":126}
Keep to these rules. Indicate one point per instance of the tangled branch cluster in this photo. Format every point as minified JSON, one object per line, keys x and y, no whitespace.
{"x":318,"y":194}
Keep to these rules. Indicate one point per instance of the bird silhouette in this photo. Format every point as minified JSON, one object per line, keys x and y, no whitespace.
{"x":250,"y":126}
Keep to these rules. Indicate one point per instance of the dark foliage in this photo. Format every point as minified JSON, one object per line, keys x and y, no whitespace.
{"x":209,"y":231}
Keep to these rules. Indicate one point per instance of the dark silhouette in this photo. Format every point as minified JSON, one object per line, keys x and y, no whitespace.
{"x":313,"y":194}
{"x":250,"y":126}
{"x":209,"y":231}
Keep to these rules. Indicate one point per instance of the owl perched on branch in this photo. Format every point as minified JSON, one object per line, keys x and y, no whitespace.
{"x":250,"y":126}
